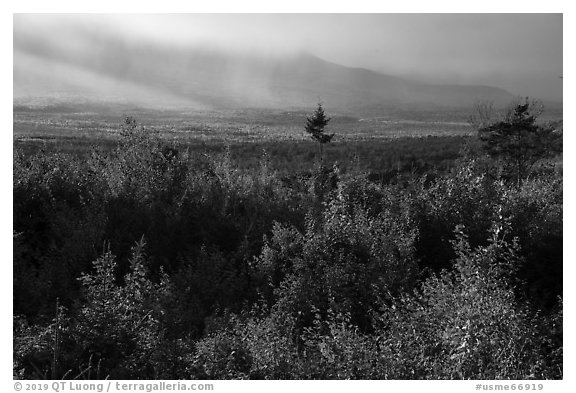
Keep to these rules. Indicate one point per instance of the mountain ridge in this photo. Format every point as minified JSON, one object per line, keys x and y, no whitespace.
{"x":97,"y":65}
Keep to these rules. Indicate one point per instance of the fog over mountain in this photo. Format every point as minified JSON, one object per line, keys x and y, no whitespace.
{"x":88,"y":61}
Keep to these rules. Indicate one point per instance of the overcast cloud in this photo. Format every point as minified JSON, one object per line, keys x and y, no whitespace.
{"x":518,"y":52}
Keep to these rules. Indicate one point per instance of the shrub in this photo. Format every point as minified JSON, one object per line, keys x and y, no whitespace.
{"x":466,"y":323}
{"x":342,"y":262}
{"x":535,"y":211}
{"x":58,"y":220}
{"x":118,"y":327}
{"x":250,"y":275}
{"x":467,"y":197}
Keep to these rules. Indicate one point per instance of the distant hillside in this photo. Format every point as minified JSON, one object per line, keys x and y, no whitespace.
{"x":101,"y":67}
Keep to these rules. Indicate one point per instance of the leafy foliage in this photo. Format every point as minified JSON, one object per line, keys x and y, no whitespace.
{"x":249,"y":274}
{"x":469,"y":322}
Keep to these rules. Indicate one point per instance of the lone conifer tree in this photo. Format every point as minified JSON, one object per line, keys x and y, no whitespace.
{"x":519,"y":141}
{"x":315,"y":127}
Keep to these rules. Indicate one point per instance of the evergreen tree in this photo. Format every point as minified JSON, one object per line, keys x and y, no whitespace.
{"x":519,"y":142}
{"x":315,"y":126}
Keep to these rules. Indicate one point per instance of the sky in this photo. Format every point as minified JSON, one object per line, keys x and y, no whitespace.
{"x":521,"y":53}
